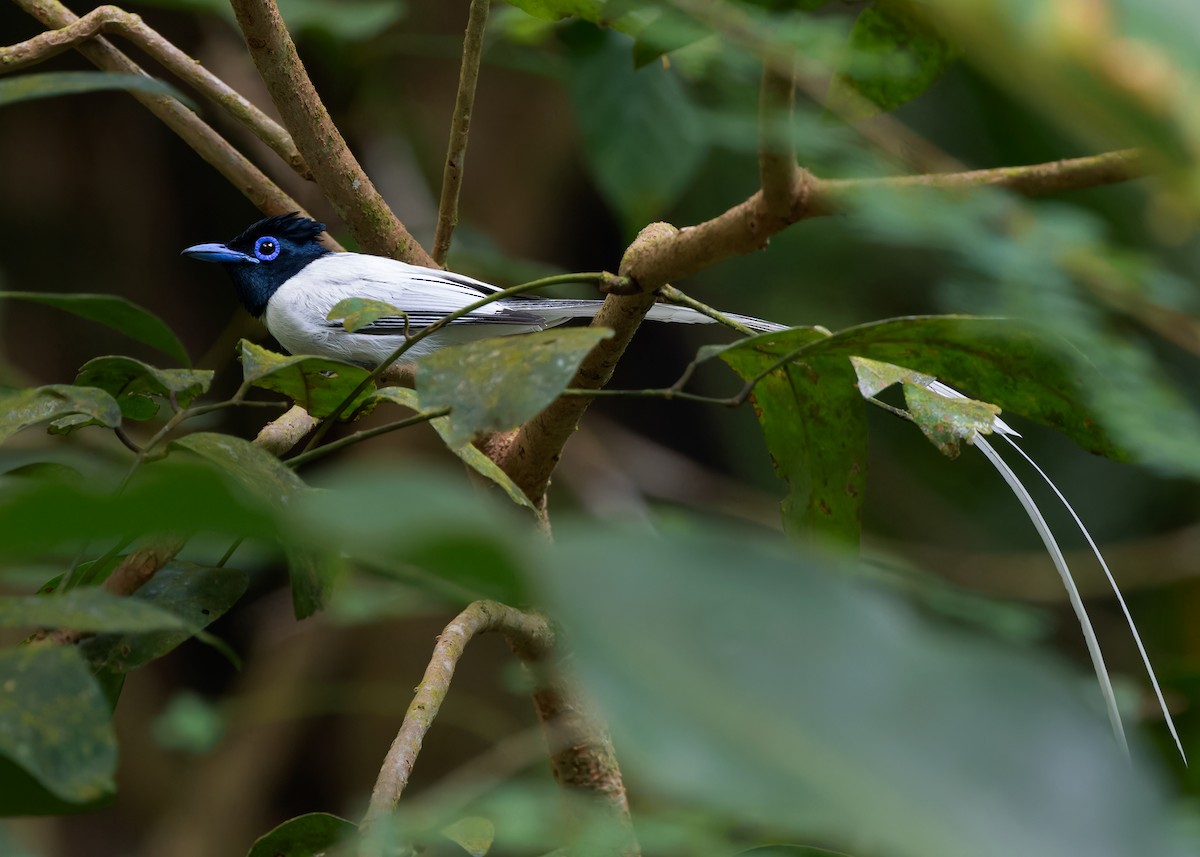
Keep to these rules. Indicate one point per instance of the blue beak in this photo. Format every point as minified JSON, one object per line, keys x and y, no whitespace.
{"x":217,"y":253}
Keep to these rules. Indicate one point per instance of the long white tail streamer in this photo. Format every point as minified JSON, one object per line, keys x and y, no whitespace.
{"x":1137,"y":638}
{"x":1039,"y":523}
{"x":1089,"y":634}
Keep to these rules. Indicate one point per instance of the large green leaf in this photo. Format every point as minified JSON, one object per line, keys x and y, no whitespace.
{"x":769,"y":686}
{"x":892,"y":57}
{"x":85,"y":609}
{"x":134,"y":384}
{"x":55,"y":722}
{"x":497,"y":384}
{"x":166,"y":497}
{"x":428,"y":530}
{"x":316,"y":384}
{"x":470,"y":454}
{"x":304,"y":836}
{"x":195,"y":596}
{"x":994,"y":360}
{"x":357,"y":313}
{"x":115,"y":312}
{"x":277,"y":486}
{"x":51,"y":84}
{"x":642,"y":170}
{"x":20,"y":409}
{"x":814,"y":423}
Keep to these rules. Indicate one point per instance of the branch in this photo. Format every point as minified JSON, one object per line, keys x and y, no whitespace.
{"x":749,"y":225}
{"x":211,"y":146}
{"x":530,"y":635}
{"x":333,"y":166}
{"x":777,"y":168}
{"x":460,"y":125}
{"x":110,"y":19}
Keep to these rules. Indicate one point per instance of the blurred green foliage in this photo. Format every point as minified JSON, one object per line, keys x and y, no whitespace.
{"x":759,"y":689}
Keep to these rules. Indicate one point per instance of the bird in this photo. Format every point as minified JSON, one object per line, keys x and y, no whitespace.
{"x":284,"y":276}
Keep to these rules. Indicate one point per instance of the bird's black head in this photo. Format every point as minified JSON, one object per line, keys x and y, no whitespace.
{"x":265,"y":256}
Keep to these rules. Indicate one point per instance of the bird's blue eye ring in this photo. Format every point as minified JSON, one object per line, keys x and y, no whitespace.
{"x":266,"y":248}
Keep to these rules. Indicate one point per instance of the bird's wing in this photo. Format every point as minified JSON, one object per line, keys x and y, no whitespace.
{"x":424,"y":294}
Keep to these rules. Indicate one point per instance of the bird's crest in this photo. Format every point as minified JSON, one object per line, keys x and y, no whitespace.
{"x":293,"y":225}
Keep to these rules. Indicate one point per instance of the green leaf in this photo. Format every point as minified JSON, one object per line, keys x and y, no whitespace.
{"x":948,"y":422}
{"x":669,"y":32}
{"x":55,"y":722}
{"x":316,"y":384}
{"x":474,"y":834}
{"x":642,"y":170}
{"x":874,"y":376}
{"x":52,"y":84}
{"x":497,"y":384}
{"x":814,"y":424}
{"x":86,"y":609}
{"x":195,"y":596}
{"x":893,"y":57}
{"x":312,"y":571}
{"x":20,"y":409}
{"x":357,"y":313}
{"x":774,"y":687}
{"x":995,"y":360}
{"x":470,"y":454}
{"x":133,"y":384}
{"x":421,"y":527}
{"x":304,"y":836}
{"x":554,"y":10}
{"x":115,"y":312}
{"x":164,"y":497}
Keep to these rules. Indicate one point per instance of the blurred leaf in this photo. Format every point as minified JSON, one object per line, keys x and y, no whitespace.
{"x":312,"y":571}
{"x":470,"y":454}
{"x":669,"y":32}
{"x":553,"y":10}
{"x":21,"y":795}
{"x":132,"y":383}
{"x":996,"y":360}
{"x":893,"y":56}
{"x":115,"y":312}
{"x":493,"y":385}
{"x":357,"y":313}
{"x":316,"y":384}
{"x":948,"y":422}
{"x":642,"y":139}
{"x":195,"y":595}
{"x":815,"y":427}
{"x":866,"y":720}
{"x":51,"y":84}
{"x":420,"y":527}
{"x":189,"y":723}
{"x":20,"y":409}
{"x":304,"y":836}
{"x":475,"y":834}
{"x":85,"y":609}
{"x":55,"y":722}
{"x":165,"y":497}
{"x":790,"y":851}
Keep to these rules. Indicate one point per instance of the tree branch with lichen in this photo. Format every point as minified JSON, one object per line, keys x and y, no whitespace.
{"x":114,"y":21}
{"x":334,"y":167}
{"x":580,"y":749}
{"x":264,"y":194}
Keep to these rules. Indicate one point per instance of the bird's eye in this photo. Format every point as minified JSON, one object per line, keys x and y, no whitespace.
{"x":266,"y":248}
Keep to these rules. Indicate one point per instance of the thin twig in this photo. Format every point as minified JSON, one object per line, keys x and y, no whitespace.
{"x":365,"y":434}
{"x":334,"y":167}
{"x":114,"y":21}
{"x":460,"y":126}
{"x":264,"y":194}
